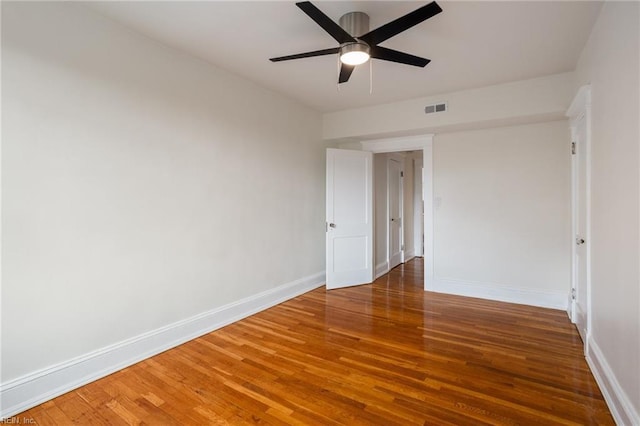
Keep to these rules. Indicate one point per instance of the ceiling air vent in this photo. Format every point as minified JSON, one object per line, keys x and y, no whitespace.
{"x":430,"y":109}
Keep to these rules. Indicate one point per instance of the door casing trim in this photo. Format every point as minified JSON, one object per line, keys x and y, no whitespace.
{"x":413,"y":143}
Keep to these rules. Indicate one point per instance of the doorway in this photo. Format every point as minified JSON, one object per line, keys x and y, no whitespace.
{"x":350,"y":249}
{"x":417,"y":152}
{"x":398,"y":207}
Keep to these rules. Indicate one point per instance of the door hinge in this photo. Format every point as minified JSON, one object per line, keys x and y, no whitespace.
{"x":573,"y":148}
{"x":573,"y":294}
{"x":402,"y":247}
{"x":401,"y":174}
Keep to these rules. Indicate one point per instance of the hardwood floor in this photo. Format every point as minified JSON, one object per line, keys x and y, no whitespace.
{"x":381,"y":354}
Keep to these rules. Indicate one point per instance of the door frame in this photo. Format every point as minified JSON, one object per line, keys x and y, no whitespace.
{"x":413,"y":143}
{"x":580,"y":109}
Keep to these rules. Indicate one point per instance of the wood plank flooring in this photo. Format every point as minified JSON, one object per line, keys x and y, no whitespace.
{"x":381,"y":354}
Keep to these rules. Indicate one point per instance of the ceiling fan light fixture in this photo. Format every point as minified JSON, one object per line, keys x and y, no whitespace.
{"x":357,"y":44}
{"x":354,"y":53}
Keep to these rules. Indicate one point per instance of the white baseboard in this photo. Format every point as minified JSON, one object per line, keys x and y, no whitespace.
{"x":493,"y":291}
{"x":39,"y":386}
{"x":381,"y":269}
{"x":408,"y":255}
{"x":622,"y":410}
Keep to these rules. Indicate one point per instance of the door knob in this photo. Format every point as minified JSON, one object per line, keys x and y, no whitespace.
{"x":332,"y":225}
{"x":579,"y":241}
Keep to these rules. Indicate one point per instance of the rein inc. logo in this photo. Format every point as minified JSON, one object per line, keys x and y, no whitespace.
{"x":17,"y":420}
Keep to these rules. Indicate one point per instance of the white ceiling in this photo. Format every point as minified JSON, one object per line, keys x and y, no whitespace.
{"x":471,"y":44}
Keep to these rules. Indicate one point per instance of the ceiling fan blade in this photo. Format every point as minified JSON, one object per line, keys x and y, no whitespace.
{"x":306,"y":54}
{"x":335,"y":30}
{"x":385,"y":54}
{"x":401,"y":24}
{"x":345,"y":72}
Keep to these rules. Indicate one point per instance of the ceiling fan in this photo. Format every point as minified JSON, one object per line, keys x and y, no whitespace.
{"x":357,"y":43}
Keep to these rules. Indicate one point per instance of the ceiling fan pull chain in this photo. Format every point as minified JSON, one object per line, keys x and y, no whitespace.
{"x":370,"y":77}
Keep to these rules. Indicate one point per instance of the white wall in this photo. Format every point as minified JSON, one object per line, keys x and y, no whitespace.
{"x":529,"y":101}
{"x":610,"y":63}
{"x":502,"y":213}
{"x":141,"y":187}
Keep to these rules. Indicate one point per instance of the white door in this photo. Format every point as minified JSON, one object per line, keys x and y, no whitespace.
{"x":349,"y":242}
{"x":581,"y":261}
{"x":394,"y":216}
{"x":418,"y":209}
